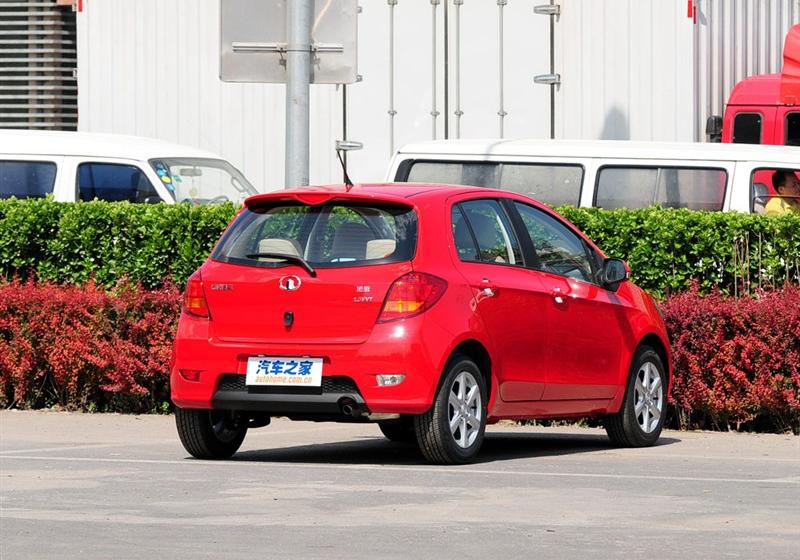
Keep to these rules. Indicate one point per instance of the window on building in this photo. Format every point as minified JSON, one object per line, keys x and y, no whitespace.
{"x":747,"y":128}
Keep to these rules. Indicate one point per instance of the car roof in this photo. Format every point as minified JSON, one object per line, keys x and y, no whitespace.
{"x":397,"y":192}
{"x":27,"y":142}
{"x":576,"y":149}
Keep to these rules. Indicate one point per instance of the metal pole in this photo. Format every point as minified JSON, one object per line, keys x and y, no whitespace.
{"x":298,"y":79}
{"x":500,"y":39}
{"x":458,"y":112}
{"x":552,"y":71}
{"x":446,"y":76}
{"x":392,"y":111}
{"x":434,"y":112}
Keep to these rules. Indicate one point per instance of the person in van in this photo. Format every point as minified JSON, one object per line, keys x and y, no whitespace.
{"x":788,"y":187}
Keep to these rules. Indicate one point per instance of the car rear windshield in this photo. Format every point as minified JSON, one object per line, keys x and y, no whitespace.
{"x":325,"y":236}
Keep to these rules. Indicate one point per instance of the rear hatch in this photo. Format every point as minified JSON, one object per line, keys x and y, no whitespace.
{"x":288,"y":272}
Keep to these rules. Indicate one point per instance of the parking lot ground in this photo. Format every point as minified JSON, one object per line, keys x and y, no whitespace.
{"x":115,"y":486}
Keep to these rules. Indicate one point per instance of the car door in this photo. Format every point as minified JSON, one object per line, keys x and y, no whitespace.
{"x":508,"y":296}
{"x":585,"y":322}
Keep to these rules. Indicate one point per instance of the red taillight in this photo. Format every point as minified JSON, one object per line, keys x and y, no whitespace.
{"x":194,"y":299}
{"x":410,"y":295}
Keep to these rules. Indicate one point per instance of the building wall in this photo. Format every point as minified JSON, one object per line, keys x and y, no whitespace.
{"x":150,"y":68}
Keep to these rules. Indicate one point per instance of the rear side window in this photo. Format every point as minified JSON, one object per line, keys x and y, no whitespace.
{"x":27,"y":179}
{"x":491,"y":230}
{"x":330,"y":235}
{"x":747,"y":128}
{"x":552,"y":184}
{"x":671,"y":187}
{"x":114,"y":182}
{"x":793,"y":129}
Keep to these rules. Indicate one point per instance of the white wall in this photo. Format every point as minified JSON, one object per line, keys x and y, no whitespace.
{"x":150,"y":67}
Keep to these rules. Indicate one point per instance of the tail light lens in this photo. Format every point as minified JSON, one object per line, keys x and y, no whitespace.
{"x":194,"y":299}
{"x":410,"y":295}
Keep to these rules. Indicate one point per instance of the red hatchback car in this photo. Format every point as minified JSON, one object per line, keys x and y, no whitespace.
{"x":432,"y":310}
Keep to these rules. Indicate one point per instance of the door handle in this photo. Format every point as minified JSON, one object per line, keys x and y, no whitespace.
{"x":558,"y":296}
{"x":487,"y":288}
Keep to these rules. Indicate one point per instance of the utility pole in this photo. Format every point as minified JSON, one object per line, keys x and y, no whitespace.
{"x":298,"y":73}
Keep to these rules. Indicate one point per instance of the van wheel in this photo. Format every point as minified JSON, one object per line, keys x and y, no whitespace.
{"x":641,"y":418}
{"x":452,"y":430}
{"x":399,"y":431}
{"x":210,"y":434}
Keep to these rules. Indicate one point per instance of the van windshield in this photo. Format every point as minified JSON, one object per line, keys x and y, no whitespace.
{"x":202,"y":180}
{"x":325,"y":236}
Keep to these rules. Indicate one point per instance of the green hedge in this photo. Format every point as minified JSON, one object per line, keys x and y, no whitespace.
{"x":665,"y":248}
{"x":72,"y":242}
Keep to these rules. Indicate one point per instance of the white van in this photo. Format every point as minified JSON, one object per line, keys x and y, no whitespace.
{"x":605,"y":174}
{"x":76,"y":166}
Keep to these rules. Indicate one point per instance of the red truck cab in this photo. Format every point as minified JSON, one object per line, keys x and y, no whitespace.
{"x":764,"y":109}
{"x":757,"y":113}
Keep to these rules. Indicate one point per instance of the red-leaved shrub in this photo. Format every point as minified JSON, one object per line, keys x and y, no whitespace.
{"x":82,"y":347}
{"x":737,"y":360}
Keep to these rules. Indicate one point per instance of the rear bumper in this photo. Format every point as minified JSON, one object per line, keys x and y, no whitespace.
{"x":331,"y":399}
{"x":393,"y":348}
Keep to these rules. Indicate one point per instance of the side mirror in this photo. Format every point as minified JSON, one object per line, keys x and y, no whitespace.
{"x":714,"y":128}
{"x":152,"y":200}
{"x":614,"y":273}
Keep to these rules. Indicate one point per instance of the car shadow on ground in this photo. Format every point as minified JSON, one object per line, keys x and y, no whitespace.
{"x":497,"y":446}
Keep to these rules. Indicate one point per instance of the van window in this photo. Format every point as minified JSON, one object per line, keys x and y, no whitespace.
{"x":114,"y":182}
{"x":202,"y":180}
{"x":27,"y":179}
{"x":671,"y":187}
{"x":793,"y":129}
{"x":763,"y":192}
{"x":552,"y":184}
{"x":747,"y":128}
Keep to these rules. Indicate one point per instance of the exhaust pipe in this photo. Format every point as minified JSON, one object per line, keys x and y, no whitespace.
{"x":349,"y":407}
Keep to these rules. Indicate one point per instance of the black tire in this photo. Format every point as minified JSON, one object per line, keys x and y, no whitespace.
{"x":437,"y":442}
{"x":629,"y":427}
{"x":210,"y":434}
{"x":399,"y":431}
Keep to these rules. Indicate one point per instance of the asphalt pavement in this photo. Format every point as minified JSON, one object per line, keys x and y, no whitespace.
{"x":115,"y":486}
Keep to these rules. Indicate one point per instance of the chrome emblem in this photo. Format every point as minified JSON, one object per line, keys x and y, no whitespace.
{"x":221,"y":287}
{"x":290,"y":283}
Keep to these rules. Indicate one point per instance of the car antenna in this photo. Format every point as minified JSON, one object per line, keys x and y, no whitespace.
{"x":346,"y":146}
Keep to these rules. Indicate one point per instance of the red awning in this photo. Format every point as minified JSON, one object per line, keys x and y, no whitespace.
{"x":790,"y":76}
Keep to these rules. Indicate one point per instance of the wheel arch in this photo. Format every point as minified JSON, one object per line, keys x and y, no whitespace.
{"x":479,"y":354}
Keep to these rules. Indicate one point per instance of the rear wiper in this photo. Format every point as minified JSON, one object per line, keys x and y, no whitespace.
{"x":283,"y":256}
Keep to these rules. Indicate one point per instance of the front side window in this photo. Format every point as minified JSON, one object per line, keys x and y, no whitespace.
{"x":202,"y":180}
{"x":491,"y":230}
{"x":764,"y":197}
{"x":793,"y":129}
{"x":330,"y":235}
{"x":559,"y":250}
{"x":671,"y":187}
{"x":27,"y":179}
{"x":114,"y":182}
{"x":747,"y":128}
{"x":549,"y":183}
